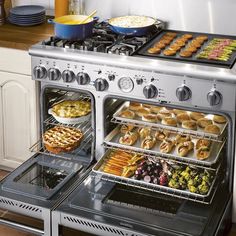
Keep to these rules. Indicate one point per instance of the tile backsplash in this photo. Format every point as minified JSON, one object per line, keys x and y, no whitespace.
{"x":48,"y":4}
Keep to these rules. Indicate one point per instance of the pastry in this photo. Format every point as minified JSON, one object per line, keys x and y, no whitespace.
{"x":186,"y":53}
{"x":203,"y":142}
{"x":164,"y":113}
{"x":148,"y":142}
{"x":181,"y":138}
{"x":203,"y":122}
{"x":169,"y":121}
{"x":127,"y":114}
{"x":62,"y":139}
{"x":144,"y":132}
{"x":124,"y":128}
{"x":172,"y":34}
{"x":72,"y":109}
{"x":154,"y":50}
{"x":203,"y":153}
{"x":191,"y":49}
{"x":189,"y":124}
{"x":134,"y":106}
{"x":129,"y":138}
{"x":161,"y":135}
{"x":166,"y":146}
{"x":169,"y":52}
{"x":184,"y":148}
{"x":187,"y":36}
{"x":213,"y":129}
{"x":219,"y":119}
{"x":182,"y":117}
{"x":159,"y":45}
{"x":178,"y":111}
{"x":196,"y":115}
{"x":149,"y":118}
{"x":156,"y":109}
{"x":142,"y":111}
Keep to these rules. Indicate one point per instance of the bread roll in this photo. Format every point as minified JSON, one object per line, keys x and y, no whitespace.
{"x":196,"y":115}
{"x":127,"y":114}
{"x":213,"y":129}
{"x":169,"y":121}
{"x":189,"y":124}
{"x":203,"y":122}
{"x":219,"y":119}
{"x":182,"y":117}
{"x":150,"y":118}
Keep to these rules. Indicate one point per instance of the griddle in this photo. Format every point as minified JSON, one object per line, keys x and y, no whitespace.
{"x":142,"y":51}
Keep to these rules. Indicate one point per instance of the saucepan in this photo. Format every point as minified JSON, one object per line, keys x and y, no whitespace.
{"x":69,"y":27}
{"x":132,"y":25}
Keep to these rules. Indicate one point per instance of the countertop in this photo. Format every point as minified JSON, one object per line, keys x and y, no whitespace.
{"x":19,"y":37}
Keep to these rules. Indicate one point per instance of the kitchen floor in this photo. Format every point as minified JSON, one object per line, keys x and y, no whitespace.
{"x":6,"y":231}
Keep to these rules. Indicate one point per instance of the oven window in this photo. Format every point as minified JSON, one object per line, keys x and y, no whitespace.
{"x":42,"y":176}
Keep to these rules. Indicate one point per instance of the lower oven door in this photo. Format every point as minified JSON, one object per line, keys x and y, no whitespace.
{"x":41,"y":176}
{"x":104,"y":208}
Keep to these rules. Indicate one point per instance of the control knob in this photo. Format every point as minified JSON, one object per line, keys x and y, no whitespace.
{"x":54,"y":74}
{"x":150,"y":91}
{"x":214,"y":97}
{"x":68,"y":76}
{"x":83,"y":78}
{"x":40,"y":72}
{"x":183,"y":93}
{"x":101,"y":84}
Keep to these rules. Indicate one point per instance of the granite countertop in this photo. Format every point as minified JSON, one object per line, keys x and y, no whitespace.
{"x":18,"y":37}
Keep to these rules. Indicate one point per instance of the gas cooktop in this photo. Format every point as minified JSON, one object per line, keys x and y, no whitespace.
{"x":104,"y":40}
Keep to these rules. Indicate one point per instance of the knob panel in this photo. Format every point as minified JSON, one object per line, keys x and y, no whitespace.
{"x":101,"y":84}
{"x":150,"y":91}
{"x":40,"y":72}
{"x":183,"y":93}
{"x":83,"y":78}
{"x":68,"y":76}
{"x":54,"y":74}
{"x":214,"y":97}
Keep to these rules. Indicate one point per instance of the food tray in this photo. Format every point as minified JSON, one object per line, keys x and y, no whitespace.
{"x":112,"y":139}
{"x":142,"y":51}
{"x":153,"y":187}
{"x":138,"y":121}
{"x":69,"y":121}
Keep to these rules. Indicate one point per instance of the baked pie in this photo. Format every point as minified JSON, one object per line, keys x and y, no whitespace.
{"x":62,"y":139}
{"x":72,"y":109}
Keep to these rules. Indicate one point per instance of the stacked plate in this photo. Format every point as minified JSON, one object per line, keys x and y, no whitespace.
{"x":27,"y":15}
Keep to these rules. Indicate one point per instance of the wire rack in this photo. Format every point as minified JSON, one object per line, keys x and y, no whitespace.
{"x":112,"y":139}
{"x":183,"y":194}
{"x":84,"y":147}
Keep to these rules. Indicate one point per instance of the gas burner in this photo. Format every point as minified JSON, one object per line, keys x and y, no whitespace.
{"x":103,"y":40}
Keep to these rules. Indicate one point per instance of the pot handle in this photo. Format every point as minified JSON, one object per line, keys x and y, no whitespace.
{"x":51,"y":21}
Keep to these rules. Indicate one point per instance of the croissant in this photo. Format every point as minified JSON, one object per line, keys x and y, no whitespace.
{"x":129,"y":138}
{"x":203,"y":142}
{"x":161,"y":135}
{"x":166,"y":146}
{"x":125,"y":128}
{"x":184,"y":148}
{"x":148,"y":142}
{"x":144,"y":132}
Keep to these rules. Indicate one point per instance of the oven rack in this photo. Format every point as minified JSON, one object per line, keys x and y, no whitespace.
{"x":85,"y":145}
{"x":172,"y":130}
{"x":138,"y":122}
{"x":183,"y":194}
{"x":112,"y":139}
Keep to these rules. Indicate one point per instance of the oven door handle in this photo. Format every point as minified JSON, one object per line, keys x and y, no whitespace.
{"x":22,"y":227}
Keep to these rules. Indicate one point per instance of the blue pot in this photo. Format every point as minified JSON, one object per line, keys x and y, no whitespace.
{"x":68,"y":27}
{"x":132,"y":31}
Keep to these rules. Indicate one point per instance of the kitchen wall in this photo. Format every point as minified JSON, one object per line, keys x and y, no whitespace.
{"x":215,"y":16}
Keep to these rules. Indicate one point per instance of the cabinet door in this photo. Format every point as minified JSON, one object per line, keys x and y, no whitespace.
{"x":19,"y":119}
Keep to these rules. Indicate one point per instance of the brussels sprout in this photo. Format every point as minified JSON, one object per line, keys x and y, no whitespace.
{"x":197,"y":180}
{"x":182,"y":183}
{"x":206,"y":179}
{"x":173,"y":184}
{"x":175,"y":176}
{"x":193,"y":189}
{"x":203,"y":189}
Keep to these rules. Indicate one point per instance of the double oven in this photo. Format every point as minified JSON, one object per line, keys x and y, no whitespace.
{"x":162,"y":192}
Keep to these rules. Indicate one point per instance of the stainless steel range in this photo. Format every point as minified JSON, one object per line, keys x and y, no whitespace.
{"x":140,"y":185}
{"x":159,"y":191}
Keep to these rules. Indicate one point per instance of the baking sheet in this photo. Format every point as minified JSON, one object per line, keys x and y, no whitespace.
{"x":199,"y":132}
{"x":216,"y":147}
{"x":228,"y":64}
{"x":149,"y":186}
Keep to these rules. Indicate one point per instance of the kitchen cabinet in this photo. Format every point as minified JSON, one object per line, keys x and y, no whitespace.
{"x":18,"y":108}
